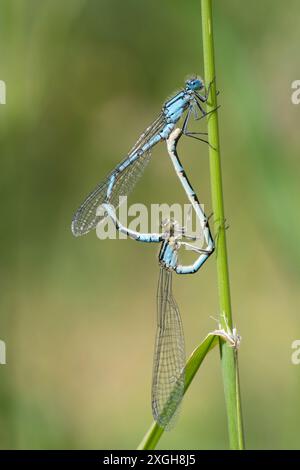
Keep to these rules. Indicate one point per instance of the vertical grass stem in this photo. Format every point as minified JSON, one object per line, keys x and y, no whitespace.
{"x":228,"y":355}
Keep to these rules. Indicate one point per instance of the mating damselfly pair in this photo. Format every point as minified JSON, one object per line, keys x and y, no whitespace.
{"x":169,"y":356}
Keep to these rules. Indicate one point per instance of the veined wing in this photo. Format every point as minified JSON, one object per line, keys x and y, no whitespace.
{"x":86,"y":218}
{"x":169,"y":355}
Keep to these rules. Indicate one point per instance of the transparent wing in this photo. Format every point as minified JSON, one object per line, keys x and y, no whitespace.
{"x":169,"y":355}
{"x":86,"y":218}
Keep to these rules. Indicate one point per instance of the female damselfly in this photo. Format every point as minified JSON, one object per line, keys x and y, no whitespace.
{"x":169,"y":354}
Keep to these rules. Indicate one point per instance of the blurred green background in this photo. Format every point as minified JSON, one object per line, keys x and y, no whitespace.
{"x":84,"y":78}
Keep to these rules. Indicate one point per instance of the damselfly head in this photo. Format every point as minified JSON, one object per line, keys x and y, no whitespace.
{"x":172,"y":228}
{"x":169,"y":225}
{"x":194,"y":83}
{"x":166,"y":223}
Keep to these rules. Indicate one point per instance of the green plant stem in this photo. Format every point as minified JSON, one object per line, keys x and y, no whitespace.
{"x":155,"y":432}
{"x":228,"y":355}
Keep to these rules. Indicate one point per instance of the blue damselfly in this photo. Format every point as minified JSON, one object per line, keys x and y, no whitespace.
{"x":122,"y":179}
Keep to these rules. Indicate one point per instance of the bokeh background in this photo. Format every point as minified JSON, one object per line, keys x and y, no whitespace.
{"x":84,"y":78}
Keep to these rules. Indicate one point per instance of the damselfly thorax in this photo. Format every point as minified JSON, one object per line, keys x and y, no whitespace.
{"x":168,"y":254}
